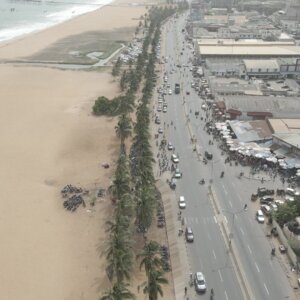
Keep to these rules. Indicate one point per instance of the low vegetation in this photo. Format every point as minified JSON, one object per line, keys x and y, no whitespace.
{"x":133,"y":190}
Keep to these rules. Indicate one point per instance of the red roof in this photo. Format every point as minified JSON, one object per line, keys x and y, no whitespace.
{"x":234,"y":112}
{"x":221,"y":105}
{"x":259,"y":114}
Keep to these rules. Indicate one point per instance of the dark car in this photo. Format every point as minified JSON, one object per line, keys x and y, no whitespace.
{"x":208,"y":155}
{"x":266,"y":199}
{"x":264,"y":192}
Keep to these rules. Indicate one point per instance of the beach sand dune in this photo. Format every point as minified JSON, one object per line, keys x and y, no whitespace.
{"x":48,"y":139}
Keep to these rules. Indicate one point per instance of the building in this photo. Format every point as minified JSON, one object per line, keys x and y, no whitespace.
{"x":251,"y":131}
{"x":251,"y":51}
{"x":288,"y":141}
{"x":260,"y":107}
{"x":278,"y":126}
{"x":261,"y":68}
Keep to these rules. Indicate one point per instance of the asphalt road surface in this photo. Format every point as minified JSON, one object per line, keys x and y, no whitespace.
{"x":209,"y":253}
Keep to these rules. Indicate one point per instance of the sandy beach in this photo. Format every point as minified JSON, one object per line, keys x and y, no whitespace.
{"x":50,"y":139}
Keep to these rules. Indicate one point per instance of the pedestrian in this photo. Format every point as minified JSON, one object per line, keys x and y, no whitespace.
{"x":185,"y":291}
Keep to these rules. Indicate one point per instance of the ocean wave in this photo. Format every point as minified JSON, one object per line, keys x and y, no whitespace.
{"x":51,"y":19}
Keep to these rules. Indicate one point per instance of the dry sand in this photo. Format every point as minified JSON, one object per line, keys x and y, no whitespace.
{"x":49,"y":139}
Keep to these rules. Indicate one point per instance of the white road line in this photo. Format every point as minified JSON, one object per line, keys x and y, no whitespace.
{"x":225,"y":219}
{"x":249,"y":249}
{"x":221,"y":278}
{"x":257,"y":268}
{"x":230,"y":203}
{"x":242,"y":231}
{"x":226,"y":295}
{"x":208,"y":235}
{"x":214,"y":254}
{"x":266,"y":289}
{"x":215,"y":218}
{"x":224,"y":189}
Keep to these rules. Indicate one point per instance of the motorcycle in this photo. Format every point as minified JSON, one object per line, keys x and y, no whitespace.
{"x":222,"y":174}
{"x":202,"y":181}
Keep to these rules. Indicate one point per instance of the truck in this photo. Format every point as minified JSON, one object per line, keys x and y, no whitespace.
{"x":177,"y":88}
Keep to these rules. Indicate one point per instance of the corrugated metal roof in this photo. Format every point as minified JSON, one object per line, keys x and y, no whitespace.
{"x":261,"y":63}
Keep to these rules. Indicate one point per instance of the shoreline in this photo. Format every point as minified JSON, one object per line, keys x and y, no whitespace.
{"x":51,"y":139}
{"x":54,"y":34}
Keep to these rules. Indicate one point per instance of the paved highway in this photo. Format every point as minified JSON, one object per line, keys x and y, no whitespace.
{"x":209,"y":253}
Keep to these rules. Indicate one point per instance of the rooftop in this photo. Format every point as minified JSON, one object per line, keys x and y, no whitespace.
{"x":251,"y":131}
{"x":289,"y":138}
{"x":280,"y":107}
{"x":242,"y":42}
{"x":261,"y":63}
{"x":251,"y":51}
{"x":285,"y":125}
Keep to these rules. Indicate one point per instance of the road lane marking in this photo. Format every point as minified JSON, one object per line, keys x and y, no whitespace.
{"x":208,"y":236}
{"x":249,"y":249}
{"x":242,"y":231}
{"x":224,"y":189}
{"x":266,"y":289}
{"x":257,"y":268}
{"x":221,"y":278}
{"x":226,"y":295}
{"x":214,"y":254}
{"x":225,"y":219}
{"x":230,"y":203}
{"x":215,"y":218}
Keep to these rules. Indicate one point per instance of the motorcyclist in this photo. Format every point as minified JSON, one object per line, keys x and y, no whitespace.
{"x":222,"y":174}
{"x":202,"y":181}
{"x":212,"y":293}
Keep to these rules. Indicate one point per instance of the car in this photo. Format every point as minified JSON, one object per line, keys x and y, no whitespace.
{"x":181,"y":202}
{"x":291,"y":192}
{"x":164,"y":109}
{"x":273,"y":206}
{"x":266,"y":199}
{"x":278,"y":202}
{"x":157,"y":120}
{"x":170,"y":146}
{"x":189,"y":236}
{"x":266,"y":209}
{"x":159,"y":108}
{"x":260,"y":216}
{"x":160,"y":130}
{"x":203,"y":106}
{"x":200,"y":284}
{"x":282,"y":248}
{"x":208,"y":155}
{"x":289,"y":198}
{"x":174,"y":158}
{"x":170,"y":92}
{"x":177,"y":173}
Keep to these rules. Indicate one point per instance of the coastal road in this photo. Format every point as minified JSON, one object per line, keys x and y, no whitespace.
{"x":209,"y":252}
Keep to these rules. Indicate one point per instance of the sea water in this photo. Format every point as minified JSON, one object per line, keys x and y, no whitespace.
{"x":20,"y":17}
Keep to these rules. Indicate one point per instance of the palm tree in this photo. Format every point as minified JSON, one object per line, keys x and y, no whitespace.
{"x":153,"y":287}
{"x":150,"y":259}
{"x":119,"y":291}
{"x":123,"y":129}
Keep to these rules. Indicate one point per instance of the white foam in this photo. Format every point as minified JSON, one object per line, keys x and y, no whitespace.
{"x":50,"y":20}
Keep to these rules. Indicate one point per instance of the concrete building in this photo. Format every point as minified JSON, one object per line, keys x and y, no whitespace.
{"x":261,"y":107}
{"x":284,"y":125}
{"x":261,"y":68}
{"x":251,"y":51}
{"x":289,"y":141}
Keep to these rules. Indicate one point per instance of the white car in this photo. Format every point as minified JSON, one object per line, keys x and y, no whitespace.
{"x":181,"y":202}
{"x":260,"y":216}
{"x":200,"y":284}
{"x":160,"y":130}
{"x":170,"y":146}
{"x":165,"y":109}
{"x":159,"y":108}
{"x":174,"y":158}
{"x":170,"y":92}
{"x":177,"y":174}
